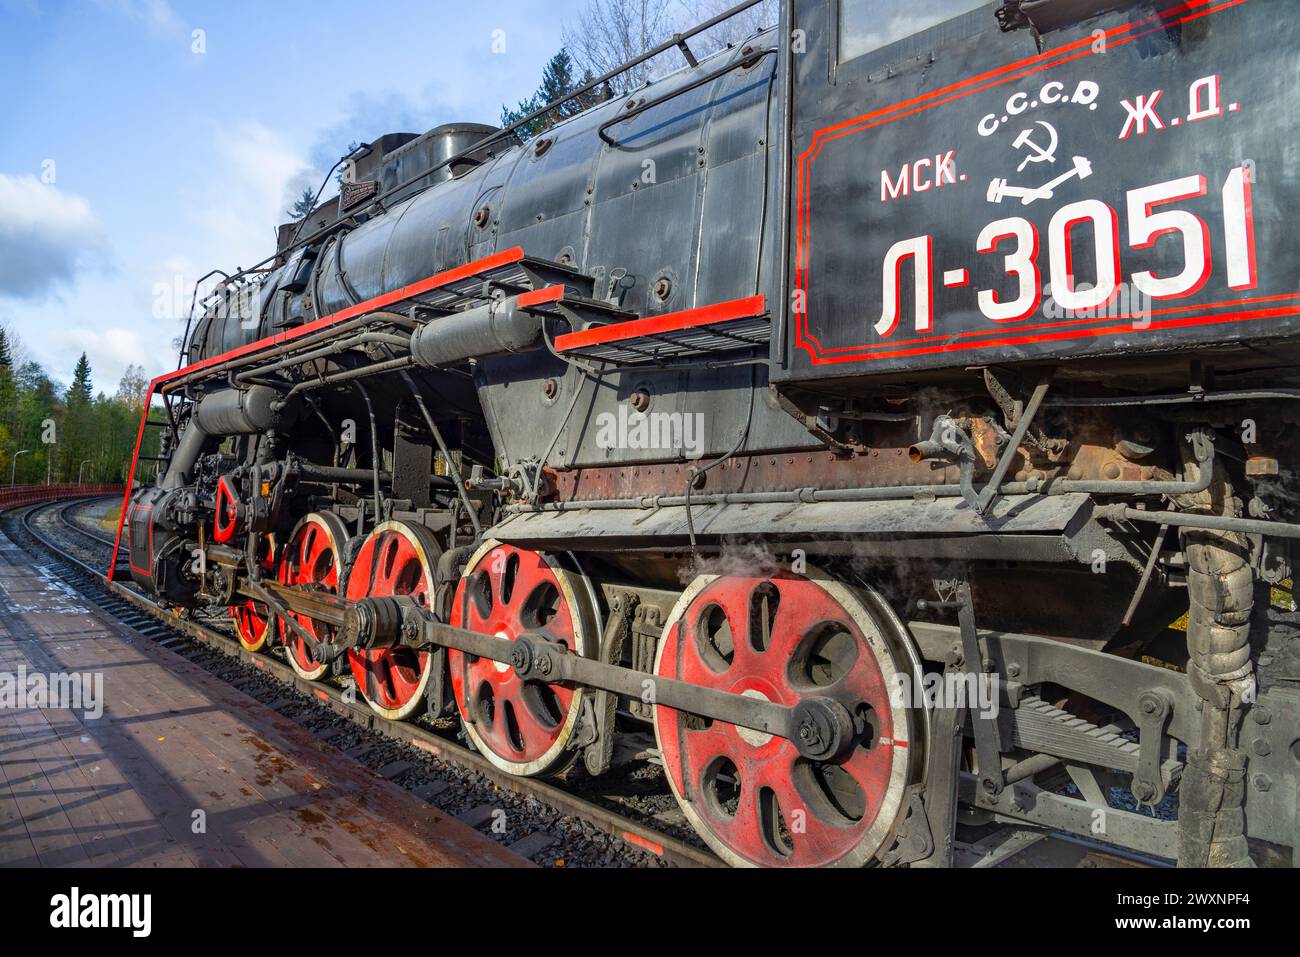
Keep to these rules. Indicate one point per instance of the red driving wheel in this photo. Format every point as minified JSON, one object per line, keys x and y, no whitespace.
{"x":312,"y":561}
{"x":396,"y":559}
{"x":522,"y":727}
{"x":254,"y":625}
{"x":751,"y":795}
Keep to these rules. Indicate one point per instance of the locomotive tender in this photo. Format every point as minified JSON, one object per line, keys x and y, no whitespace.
{"x":896,"y":412}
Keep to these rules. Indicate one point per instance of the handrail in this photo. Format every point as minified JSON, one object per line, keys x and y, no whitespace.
{"x":698,"y":82}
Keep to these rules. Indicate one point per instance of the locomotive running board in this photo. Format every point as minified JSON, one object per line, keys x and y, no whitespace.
{"x":445,"y":292}
{"x":540,"y":283}
{"x":1028,"y":527}
{"x":721,"y":327}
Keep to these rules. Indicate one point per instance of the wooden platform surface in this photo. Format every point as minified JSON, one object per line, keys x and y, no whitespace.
{"x":176,"y":748}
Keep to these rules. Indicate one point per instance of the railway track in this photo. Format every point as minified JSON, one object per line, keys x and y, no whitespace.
{"x":42,"y":529}
{"x":30,"y":528}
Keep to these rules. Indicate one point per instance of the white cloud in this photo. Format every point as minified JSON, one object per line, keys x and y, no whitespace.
{"x":109,"y":352}
{"x":239,"y":217}
{"x":227,"y":221}
{"x":46,"y":237}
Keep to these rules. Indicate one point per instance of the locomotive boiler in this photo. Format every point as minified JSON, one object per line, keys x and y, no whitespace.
{"x":894,"y":414}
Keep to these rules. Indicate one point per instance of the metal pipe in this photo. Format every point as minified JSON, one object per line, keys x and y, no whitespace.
{"x":497,"y":327}
{"x":1223,"y":523}
{"x":446,"y":454}
{"x":1146,"y":575}
{"x":374,"y":444}
{"x":333,"y":349}
{"x":330,"y":473}
{"x":1177,"y":398}
{"x":291,"y":347}
{"x":874,"y":494}
{"x":185,"y":454}
{"x":1031,"y":766}
{"x":390,"y":366}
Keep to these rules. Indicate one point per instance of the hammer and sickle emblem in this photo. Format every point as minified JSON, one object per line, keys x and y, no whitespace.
{"x":1039,"y":153}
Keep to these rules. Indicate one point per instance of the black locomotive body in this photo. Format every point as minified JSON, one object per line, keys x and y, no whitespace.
{"x":900,"y":422}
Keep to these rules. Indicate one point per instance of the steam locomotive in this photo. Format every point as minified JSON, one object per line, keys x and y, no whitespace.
{"x":893,"y":412}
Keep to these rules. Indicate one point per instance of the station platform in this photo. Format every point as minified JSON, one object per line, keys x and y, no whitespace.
{"x":181,"y":769}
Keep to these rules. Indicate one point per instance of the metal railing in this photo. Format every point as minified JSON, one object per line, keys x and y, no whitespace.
{"x":16,"y":496}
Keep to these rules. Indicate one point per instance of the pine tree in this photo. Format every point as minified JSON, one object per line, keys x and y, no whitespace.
{"x":305,"y":203}
{"x":8,"y":389}
{"x":81,"y":390}
{"x":558,"y":81}
{"x":76,"y":435}
{"x":8,"y":400}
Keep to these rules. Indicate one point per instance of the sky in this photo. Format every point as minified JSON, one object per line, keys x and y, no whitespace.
{"x":144,"y":142}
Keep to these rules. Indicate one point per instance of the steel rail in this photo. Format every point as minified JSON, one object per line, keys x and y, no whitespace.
{"x":69,"y":506}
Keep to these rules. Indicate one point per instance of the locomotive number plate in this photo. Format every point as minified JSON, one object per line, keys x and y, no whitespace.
{"x":1127,"y":190}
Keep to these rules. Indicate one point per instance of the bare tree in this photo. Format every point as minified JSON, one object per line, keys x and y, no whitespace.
{"x":729,"y":32}
{"x":611,"y":32}
{"x":133,"y":386}
{"x":19,"y":355}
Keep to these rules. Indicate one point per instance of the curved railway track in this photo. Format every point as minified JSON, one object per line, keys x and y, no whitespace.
{"x":43,"y":529}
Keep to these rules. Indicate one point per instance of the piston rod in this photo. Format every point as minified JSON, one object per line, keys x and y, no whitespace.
{"x":821,"y":728}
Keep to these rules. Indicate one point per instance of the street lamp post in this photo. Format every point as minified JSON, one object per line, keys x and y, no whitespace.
{"x":79,"y":468}
{"x":13,"y":472}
